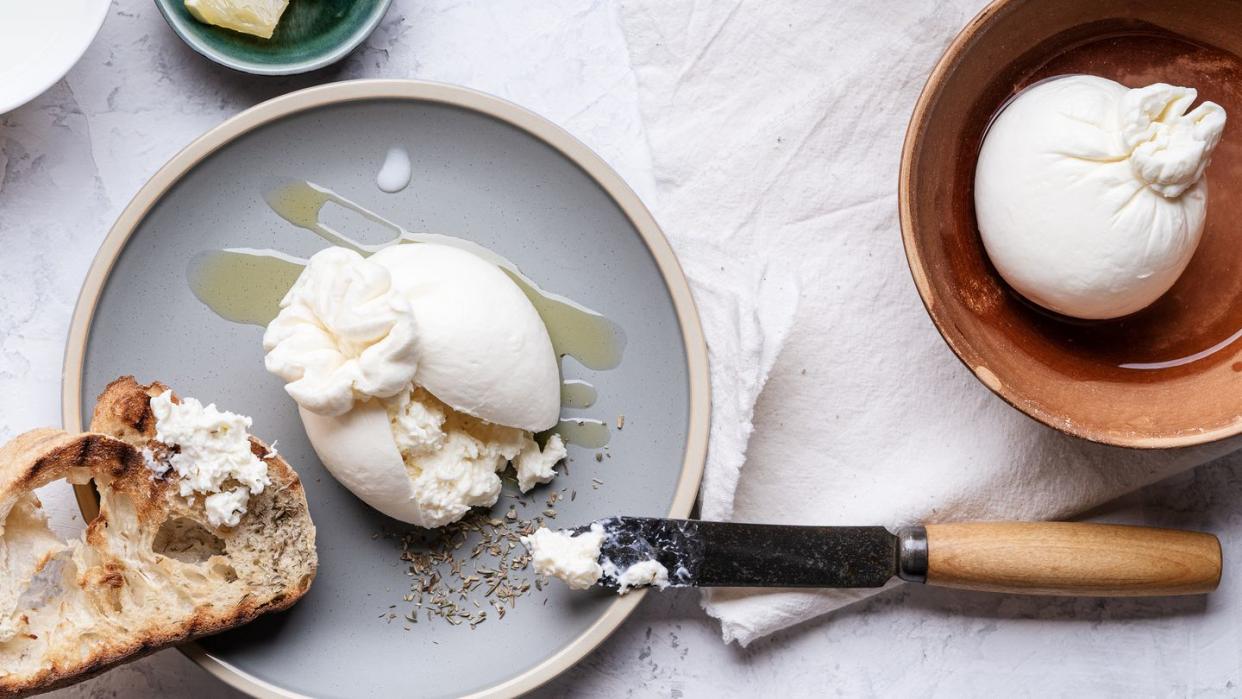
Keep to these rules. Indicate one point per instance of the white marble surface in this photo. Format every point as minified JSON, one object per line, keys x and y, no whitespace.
{"x":72,"y":159}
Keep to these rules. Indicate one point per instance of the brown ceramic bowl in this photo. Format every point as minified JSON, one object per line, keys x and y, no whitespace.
{"x":1167,"y":376}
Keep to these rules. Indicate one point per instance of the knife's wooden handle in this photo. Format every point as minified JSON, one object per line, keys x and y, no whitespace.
{"x":1070,"y":558}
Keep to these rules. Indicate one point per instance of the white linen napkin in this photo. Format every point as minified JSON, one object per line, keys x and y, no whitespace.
{"x":775,"y":132}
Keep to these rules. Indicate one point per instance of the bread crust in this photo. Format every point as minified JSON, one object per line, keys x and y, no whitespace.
{"x":110,"y":455}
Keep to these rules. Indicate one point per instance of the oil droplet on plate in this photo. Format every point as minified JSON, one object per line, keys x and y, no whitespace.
{"x":594,"y":340}
{"x":589,"y":337}
{"x":394,"y":174}
{"x":242,"y":285}
{"x":577,"y":394}
{"x":589,"y":434}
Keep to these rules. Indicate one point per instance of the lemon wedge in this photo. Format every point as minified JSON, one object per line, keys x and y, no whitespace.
{"x":256,"y":17}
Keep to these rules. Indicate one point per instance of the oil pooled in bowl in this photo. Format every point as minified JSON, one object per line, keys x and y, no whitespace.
{"x":245,"y":285}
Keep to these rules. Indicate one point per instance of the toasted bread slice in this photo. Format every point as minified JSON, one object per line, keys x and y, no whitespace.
{"x":149,"y":571}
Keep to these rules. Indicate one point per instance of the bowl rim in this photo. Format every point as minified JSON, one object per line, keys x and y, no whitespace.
{"x":91,"y":26}
{"x":351,"y":42}
{"x":699,"y":414}
{"x":930,"y":93}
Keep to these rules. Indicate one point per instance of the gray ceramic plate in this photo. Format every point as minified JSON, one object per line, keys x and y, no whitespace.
{"x":483,"y":170}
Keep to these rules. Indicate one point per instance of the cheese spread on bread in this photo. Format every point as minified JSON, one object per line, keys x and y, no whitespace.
{"x":211,"y":455}
{"x":149,"y":571}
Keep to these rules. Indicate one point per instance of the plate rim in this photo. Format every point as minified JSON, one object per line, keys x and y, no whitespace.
{"x":694,"y":457}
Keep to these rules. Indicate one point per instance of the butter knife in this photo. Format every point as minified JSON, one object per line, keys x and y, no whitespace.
{"x":1044,"y":558}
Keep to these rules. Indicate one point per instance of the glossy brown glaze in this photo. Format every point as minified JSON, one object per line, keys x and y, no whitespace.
{"x":1166,"y":376}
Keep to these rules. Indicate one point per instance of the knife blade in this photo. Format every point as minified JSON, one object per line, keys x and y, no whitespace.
{"x":727,"y":554}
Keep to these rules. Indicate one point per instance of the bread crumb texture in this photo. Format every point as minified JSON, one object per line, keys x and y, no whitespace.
{"x":149,"y":571}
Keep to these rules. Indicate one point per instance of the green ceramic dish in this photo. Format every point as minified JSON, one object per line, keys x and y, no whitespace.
{"x":311,"y":34}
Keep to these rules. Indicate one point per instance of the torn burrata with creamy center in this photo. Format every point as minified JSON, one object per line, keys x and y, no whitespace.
{"x":421,"y":373}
